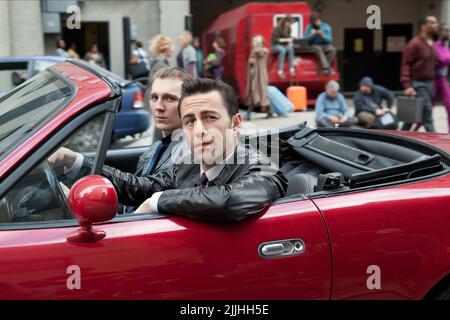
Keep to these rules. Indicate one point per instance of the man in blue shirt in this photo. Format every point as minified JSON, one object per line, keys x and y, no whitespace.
{"x":319,"y":35}
{"x":332,"y":109}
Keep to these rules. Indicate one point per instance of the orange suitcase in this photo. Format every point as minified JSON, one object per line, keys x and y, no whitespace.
{"x":298,"y":96}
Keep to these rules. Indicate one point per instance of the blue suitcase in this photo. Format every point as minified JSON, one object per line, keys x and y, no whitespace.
{"x":279,"y":103}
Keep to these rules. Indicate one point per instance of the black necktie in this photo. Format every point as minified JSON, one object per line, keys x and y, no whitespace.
{"x":203,"y":180}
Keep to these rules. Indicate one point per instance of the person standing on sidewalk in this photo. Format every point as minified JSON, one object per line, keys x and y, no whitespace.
{"x":257,"y":77}
{"x":441,"y":87}
{"x":214,"y":63}
{"x":418,"y":69}
{"x":161,"y":49}
{"x":197,"y":44}
{"x":61,"y":49}
{"x":187,"y":56}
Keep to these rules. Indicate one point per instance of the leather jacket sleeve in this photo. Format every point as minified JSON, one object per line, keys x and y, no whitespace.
{"x":246,"y":196}
{"x":133,"y":190}
{"x":249,"y":190}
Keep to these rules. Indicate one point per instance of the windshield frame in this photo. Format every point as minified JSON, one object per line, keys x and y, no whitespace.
{"x":57,"y":110}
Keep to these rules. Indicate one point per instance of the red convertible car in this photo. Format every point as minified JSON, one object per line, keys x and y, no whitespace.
{"x":365,"y":217}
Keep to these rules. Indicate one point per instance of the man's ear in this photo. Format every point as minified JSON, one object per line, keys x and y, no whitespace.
{"x":236,"y":122}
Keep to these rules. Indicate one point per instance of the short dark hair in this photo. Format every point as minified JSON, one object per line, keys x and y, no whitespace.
{"x":221,"y":42}
{"x":58,"y":42}
{"x":203,"y":85}
{"x":314,"y":17}
{"x":424,"y":20}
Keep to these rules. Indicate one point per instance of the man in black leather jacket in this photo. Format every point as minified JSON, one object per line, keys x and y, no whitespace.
{"x":221,"y":180}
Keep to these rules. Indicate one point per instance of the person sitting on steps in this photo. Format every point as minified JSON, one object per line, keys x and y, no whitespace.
{"x":283,"y":43}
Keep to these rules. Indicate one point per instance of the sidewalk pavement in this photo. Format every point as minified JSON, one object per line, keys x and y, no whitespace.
{"x":259,"y":121}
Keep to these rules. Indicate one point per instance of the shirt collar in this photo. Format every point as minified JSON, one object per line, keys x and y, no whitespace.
{"x":174,"y":136}
{"x":214,"y":172}
{"x":166,"y":140}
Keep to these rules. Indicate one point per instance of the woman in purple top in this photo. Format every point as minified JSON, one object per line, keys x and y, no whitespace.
{"x":215,"y":66}
{"x":441,"y":87}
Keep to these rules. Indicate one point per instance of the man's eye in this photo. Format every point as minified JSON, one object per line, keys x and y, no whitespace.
{"x":172,"y":99}
{"x":154,"y":98}
{"x":189,"y":122}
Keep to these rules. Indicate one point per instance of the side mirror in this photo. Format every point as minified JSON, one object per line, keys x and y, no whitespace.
{"x":92,"y":199}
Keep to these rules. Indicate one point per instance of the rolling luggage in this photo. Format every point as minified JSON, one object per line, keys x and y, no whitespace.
{"x":278,"y":101}
{"x":298,"y":96}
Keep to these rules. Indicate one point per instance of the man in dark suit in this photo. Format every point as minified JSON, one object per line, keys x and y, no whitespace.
{"x":164,"y":96}
{"x":220,"y":180}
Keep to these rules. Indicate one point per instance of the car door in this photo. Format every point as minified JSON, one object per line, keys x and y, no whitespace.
{"x":283,"y":253}
{"x":152,"y":256}
{"x":389,"y":243}
{"x":156,"y":257}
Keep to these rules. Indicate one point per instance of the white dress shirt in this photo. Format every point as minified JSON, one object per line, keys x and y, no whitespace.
{"x":211,"y":174}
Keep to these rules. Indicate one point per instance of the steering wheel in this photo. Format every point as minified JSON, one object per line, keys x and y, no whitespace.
{"x":10,"y":207}
{"x":15,"y":205}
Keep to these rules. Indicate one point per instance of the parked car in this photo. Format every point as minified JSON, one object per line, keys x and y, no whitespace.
{"x":360,"y":205}
{"x":132,"y":119}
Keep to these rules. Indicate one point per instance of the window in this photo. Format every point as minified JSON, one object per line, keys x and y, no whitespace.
{"x":24,"y":111}
{"x":11,"y":75}
{"x":41,"y":195}
{"x":297,"y":24}
{"x":88,"y":137}
{"x":41,"y":65}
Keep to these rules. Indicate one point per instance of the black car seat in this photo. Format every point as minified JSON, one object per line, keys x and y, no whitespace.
{"x":301,"y":184}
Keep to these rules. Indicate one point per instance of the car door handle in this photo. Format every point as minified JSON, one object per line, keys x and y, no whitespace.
{"x":281,"y":248}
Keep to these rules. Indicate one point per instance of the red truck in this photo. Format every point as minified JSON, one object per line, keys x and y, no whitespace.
{"x":239,"y":25}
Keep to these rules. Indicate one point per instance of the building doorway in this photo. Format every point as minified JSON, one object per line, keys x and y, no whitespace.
{"x":89,"y":34}
{"x":358,"y":56}
{"x":395,"y":38}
